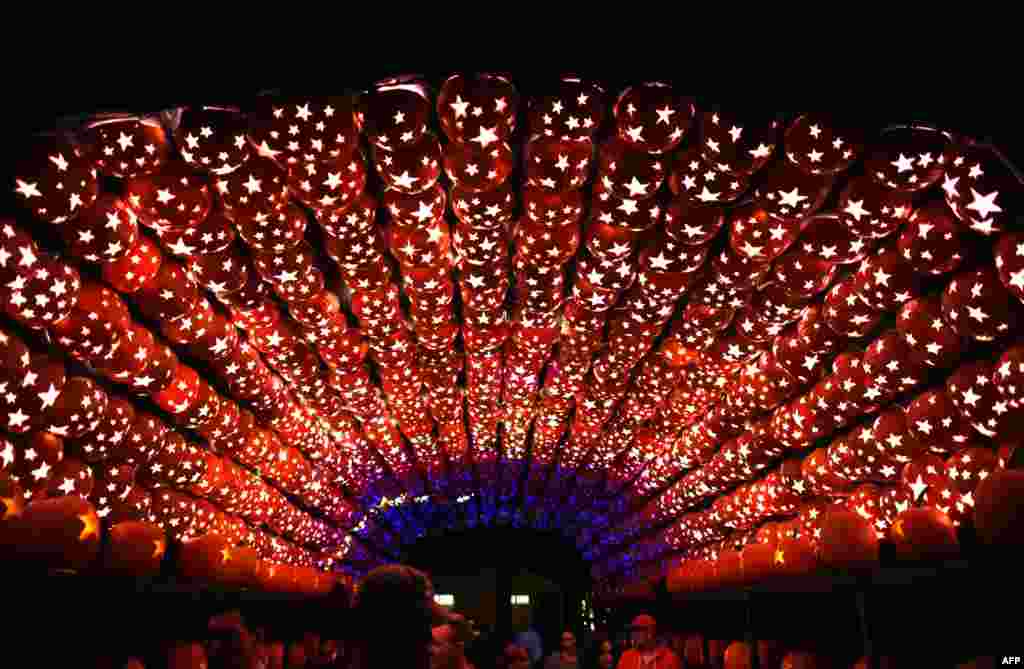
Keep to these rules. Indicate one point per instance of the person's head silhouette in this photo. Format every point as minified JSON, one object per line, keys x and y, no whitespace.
{"x":395,"y":613}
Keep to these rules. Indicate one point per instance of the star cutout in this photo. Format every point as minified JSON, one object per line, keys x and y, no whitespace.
{"x":855,"y":208}
{"x":918,"y":487}
{"x":903,"y":164}
{"x":424,"y":213}
{"x":792,"y":198}
{"x":49,"y":397}
{"x":252,"y":185}
{"x":707,"y":196}
{"x":1017,"y":279}
{"x":16,"y":419}
{"x":486,"y":137}
{"x":636,"y":187}
{"x":405,"y":180}
{"x":984,"y":204}
{"x":752,"y":251}
{"x":459,"y":106}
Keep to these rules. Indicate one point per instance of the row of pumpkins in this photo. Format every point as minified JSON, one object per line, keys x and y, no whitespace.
{"x":65,"y":533}
{"x":849,"y":541}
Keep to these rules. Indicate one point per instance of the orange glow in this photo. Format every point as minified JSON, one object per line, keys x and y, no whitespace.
{"x":678,"y":355}
{"x":12,"y":507}
{"x":90,"y":526}
{"x":897,"y":529}
{"x":358,"y":391}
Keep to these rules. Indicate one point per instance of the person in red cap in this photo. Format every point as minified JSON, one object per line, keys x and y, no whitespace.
{"x":647,"y":654}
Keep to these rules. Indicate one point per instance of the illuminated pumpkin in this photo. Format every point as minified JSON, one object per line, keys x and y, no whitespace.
{"x":848,"y":541}
{"x":758,"y":560}
{"x":134,"y":549}
{"x":205,"y":559}
{"x":998,"y":515}
{"x":61,"y":533}
{"x":924,"y":533}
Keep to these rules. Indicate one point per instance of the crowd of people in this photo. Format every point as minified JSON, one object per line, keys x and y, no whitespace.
{"x":644,"y":650}
{"x":394,"y":623}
